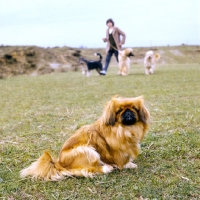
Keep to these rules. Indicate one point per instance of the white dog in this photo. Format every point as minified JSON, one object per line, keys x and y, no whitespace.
{"x":150,"y":60}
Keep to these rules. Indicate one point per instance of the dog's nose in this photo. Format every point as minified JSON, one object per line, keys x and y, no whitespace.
{"x":128,"y":118}
{"x":131,"y":54}
{"x":128,"y":113}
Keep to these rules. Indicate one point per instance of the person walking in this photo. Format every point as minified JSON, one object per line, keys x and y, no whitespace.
{"x":114,"y":43}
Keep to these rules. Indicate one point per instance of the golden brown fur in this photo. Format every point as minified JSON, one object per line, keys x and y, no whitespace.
{"x":124,"y":61}
{"x":112,"y":141}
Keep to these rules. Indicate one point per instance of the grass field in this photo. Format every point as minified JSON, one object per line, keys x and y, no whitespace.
{"x":40,"y":113}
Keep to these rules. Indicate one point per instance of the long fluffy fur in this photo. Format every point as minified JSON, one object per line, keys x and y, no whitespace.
{"x":150,"y":60}
{"x":97,"y":148}
{"x":124,"y":61}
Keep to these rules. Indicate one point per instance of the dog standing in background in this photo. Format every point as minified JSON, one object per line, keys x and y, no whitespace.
{"x":124,"y":61}
{"x":88,"y":65}
{"x":150,"y":60}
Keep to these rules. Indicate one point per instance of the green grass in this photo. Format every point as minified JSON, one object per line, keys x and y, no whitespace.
{"x":40,"y":113}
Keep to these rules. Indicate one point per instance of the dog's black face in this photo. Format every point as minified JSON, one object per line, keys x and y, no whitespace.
{"x":149,"y":59}
{"x":128,"y":117}
{"x":130,"y":54}
{"x":81,"y":61}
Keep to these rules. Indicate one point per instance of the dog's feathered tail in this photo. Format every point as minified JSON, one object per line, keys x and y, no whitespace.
{"x":45,"y":168}
{"x":157,"y":56}
{"x":49,"y":169}
{"x":98,"y":54}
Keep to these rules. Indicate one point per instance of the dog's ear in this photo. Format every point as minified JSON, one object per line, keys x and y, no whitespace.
{"x":144,"y":115}
{"x":143,"y":112}
{"x":109,"y":115}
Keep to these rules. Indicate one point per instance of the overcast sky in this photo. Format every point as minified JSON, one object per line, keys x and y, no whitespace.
{"x":78,"y":23}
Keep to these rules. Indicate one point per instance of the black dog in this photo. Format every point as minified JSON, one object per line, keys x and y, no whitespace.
{"x":91,"y":64}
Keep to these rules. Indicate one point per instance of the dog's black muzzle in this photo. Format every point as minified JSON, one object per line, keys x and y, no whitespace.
{"x":131,"y":54}
{"x":128,"y":118}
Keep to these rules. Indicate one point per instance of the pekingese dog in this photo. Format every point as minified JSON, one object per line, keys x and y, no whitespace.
{"x":150,"y":60}
{"x":112,"y":141}
{"x":124,"y":61}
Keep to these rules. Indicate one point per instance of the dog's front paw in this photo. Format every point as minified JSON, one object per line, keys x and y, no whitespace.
{"x":130,"y":165}
{"x":107,"y":168}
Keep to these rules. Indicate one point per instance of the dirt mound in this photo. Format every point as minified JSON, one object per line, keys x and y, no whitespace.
{"x":170,"y":54}
{"x":33,"y":60}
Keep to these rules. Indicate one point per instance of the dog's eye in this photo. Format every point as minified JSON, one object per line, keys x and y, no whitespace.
{"x":120,"y":110}
{"x":135,"y":108}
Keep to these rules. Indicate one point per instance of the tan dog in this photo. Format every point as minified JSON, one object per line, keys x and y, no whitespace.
{"x":112,"y":141}
{"x":124,"y":61}
{"x":150,"y":60}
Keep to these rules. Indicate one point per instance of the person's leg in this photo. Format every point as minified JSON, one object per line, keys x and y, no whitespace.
{"x":116,"y":55}
{"x":108,"y":57}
